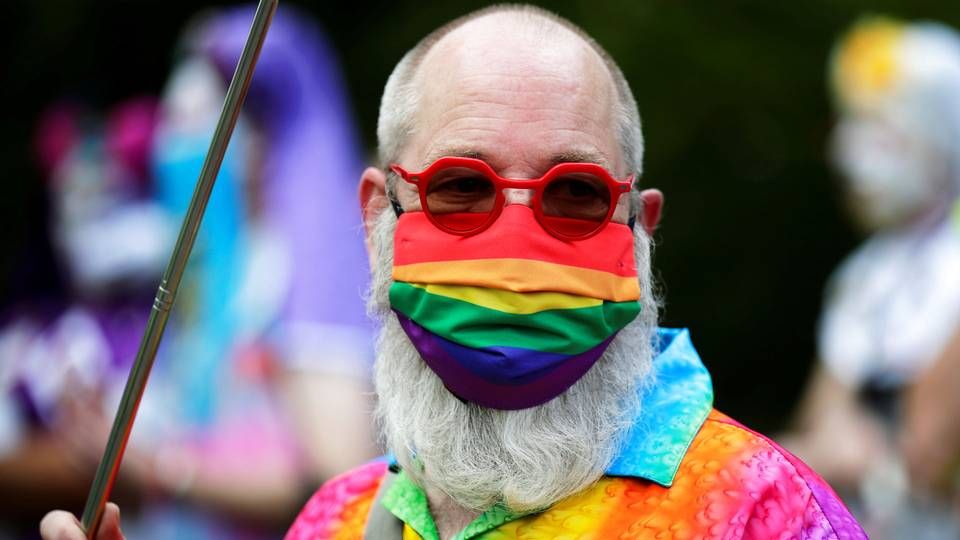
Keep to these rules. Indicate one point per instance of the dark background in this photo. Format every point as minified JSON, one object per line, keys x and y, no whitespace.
{"x":736,"y":113}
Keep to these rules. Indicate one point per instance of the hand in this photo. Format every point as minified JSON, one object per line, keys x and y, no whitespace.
{"x":82,"y":428}
{"x":61,"y":525}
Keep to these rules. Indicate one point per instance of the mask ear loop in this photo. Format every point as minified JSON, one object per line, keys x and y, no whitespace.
{"x":397,"y":209}
{"x":632,"y":222}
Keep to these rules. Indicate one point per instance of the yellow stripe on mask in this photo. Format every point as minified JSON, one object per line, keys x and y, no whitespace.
{"x":508,"y":301}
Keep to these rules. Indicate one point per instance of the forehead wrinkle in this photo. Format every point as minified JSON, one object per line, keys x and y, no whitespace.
{"x":461,"y":84}
{"x":488,"y":118}
{"x":474,"y":140}
{"x":527,"y":82}
{"x":573,"y":155}
{"x":517,"y":101}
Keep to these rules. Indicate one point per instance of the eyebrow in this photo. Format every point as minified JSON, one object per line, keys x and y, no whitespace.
{"x":567,"y":156}
{"x":453,"y":152}
{"x":580,"y":156}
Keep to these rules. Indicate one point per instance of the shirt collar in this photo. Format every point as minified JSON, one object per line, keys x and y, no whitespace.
{"x":675,"y":400}
{"x":408,"y":502}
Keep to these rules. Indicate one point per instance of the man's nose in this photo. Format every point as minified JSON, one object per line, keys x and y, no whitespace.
{"x":518,"y":196}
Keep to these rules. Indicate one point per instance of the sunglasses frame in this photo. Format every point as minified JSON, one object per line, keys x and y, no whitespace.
{"x":538,"y":185}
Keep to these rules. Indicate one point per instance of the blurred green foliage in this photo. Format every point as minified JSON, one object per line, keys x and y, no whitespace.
{"x":736,"y":115}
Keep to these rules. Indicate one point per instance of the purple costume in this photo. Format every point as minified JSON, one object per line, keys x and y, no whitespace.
{"x":311,"y":171}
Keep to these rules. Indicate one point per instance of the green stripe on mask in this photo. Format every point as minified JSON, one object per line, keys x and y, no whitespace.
{"x":565,"y":331}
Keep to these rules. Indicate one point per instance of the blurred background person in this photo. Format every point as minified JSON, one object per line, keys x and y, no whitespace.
{"x":873,"y":422}
{"x":307,"y":265}
{"x":110,"y":237}
{"x":310,"y":160}
{"x":269,"y":327}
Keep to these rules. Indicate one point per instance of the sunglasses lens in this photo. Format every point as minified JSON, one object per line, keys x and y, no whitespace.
{"x":460,"y":199}
{"x":576,"y":204}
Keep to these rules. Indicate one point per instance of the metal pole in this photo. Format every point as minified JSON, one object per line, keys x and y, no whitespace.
{"x":167,"y":292}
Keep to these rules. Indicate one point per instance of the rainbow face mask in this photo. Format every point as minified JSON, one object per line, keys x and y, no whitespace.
{"x":511,"y":317}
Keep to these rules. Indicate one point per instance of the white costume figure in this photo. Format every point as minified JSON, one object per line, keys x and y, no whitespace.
{"x":894,"y":303}
{"x":892,"y":308}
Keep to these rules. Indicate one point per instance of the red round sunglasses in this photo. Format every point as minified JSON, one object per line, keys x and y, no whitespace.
{"x":464,"y":196}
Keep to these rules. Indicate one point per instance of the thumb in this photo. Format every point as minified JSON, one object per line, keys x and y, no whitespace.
{"x":110,"y":524}
{"x":61,"y":525}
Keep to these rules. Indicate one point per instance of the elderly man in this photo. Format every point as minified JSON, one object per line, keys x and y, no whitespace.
{"x":524,"y":389}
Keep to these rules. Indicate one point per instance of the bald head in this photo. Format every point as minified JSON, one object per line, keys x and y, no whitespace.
{"x":509,"y":61}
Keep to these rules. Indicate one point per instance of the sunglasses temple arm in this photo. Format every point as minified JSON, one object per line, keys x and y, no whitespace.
{"x":166,"y":293}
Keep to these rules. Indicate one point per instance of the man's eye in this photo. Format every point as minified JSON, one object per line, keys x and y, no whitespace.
{"x":581,"y":189}
{"x":578,"y":197}
{"x":460,"y":190}
{"x":574,"y":188}
{"x":460,"y":186}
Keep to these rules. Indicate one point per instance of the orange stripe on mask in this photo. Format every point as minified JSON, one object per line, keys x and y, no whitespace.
{"x":522,"y":275}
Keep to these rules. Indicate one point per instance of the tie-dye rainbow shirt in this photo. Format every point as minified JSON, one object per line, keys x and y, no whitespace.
{"x":685,"y":471}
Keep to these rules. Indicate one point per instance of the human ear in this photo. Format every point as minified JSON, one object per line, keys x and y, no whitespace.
{"x":650,"y":209}
{"x":373,"y":200}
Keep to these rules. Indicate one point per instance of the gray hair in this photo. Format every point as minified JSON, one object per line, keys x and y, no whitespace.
{"x":400,"y":100}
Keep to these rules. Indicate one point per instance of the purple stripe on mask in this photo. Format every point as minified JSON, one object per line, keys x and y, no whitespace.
{"x":509,"y":366}
{"x":475,"y":388}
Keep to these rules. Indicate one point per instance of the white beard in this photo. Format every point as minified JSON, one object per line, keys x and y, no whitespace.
{"x":524,"y":459}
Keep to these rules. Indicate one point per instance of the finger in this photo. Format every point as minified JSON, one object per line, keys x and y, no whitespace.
{"x":110,"y":525}
{"x":60,"y":525}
